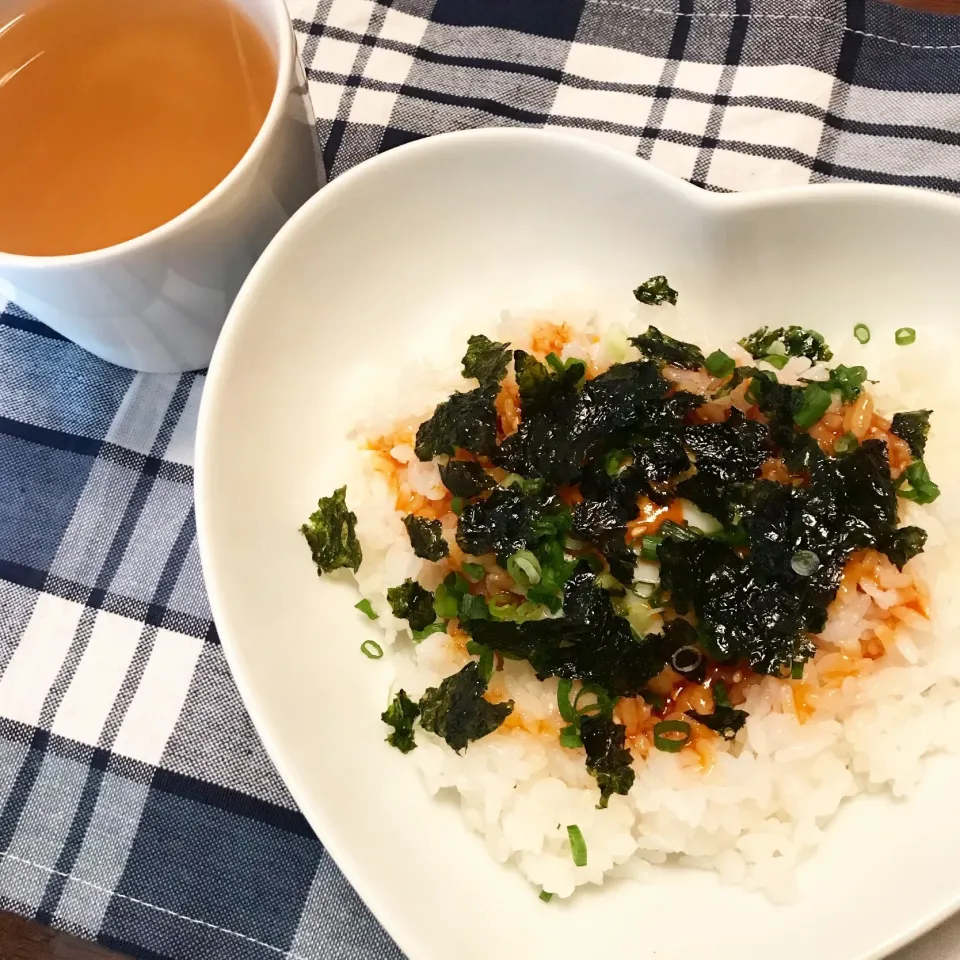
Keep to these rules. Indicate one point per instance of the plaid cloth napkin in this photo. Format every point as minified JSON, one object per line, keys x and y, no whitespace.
{"x":137,"y":806}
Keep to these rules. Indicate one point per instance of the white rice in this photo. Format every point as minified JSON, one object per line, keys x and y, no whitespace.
{"x":763,"y":802}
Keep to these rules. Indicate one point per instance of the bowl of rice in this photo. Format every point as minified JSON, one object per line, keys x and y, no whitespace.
{"x":582,"y":546}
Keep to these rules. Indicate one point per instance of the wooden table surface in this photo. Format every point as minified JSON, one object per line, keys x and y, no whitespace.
{"x":25,"y":940}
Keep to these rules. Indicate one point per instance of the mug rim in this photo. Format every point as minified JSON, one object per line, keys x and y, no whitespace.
{"x":286,"y":51}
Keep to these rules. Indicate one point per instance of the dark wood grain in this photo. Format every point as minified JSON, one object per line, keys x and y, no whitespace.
{"x":24,"y":940}
{"x":932,"y":6}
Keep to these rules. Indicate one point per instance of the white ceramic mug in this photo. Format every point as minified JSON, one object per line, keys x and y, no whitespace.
{"x":156,"y":303}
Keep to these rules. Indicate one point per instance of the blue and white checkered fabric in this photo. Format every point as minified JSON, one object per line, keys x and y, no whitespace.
{"x":137,"y":806}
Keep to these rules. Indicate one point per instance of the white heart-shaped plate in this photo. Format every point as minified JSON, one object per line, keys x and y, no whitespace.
{"x":374,"y":271}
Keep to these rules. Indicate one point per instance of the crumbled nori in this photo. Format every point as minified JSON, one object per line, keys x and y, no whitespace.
{"x":607,"y":758}
{"x":732,"y":451}
{"x":400,"y":715}
{"x":426,"y":537}
{"x":590,"y":642}
{"x":457,"y":711}
{"x":903,"y":544}
{"x":724,"y":720}
{"x":655,"y":291}
{"x":465,"y":478}
{"x":331,"y":534}
{"x":626,"y":434}
{"x":913,"y":427}
{"x":798,"y":342}
{"x":507,"y":521}
{"x":486,"y":360}
{"x":540,"y":385}
{"x":467,"y":420}
{"x":554,"y":440}
{"x":412,"y":603}
{"x":665,"y":349}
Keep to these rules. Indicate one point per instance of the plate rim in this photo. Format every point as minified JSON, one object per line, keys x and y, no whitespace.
{"x":712,"y":203}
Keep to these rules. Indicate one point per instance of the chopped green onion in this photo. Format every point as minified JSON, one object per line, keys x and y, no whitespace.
{"x":366,"y":608}
{"x":445,"y":602}
{"x":456,"y":505}
{"x":777,"y":349}
{"x":796,"y":671}
{"x":905,"y":336}
{"x":420,"y":635}
{"x":567,"y":709}
{"x":614,"y":461}
{"x":846,"y":444}
{"x":604,"y":703}
{"x":607,"y":581}
{"x":570,"y":738}
{"x":718,"y":364}
{"x":545,"y":896}
{"x":862,"y":332}
{"x":720,"y":696}
{"x":371,"y":649}
{"x":474,"y":572}
{"x":686,"y":660}
{"x":648,"y":547}
{"x":594,"y":562}
{"x":778,"y":360}
{"x":847,"y":380}
{"x":555,"y":362}
{"x":485,"y":654}
{"x":502,"y":606}
{"x":682,"y":533}
{"x":578,"y":846}
{"x":916,"y":484}
{"x":524,"y":567}
{"x":473,"y":607}
{"x":654,"y":700}
{"x":671,"y":744}
{"x":527,"y":611}
{"x":815,"y":403}
{"x":804,"y":563}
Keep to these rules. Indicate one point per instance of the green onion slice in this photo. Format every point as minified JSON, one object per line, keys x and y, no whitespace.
{"x":905,"y":336}
{"x":778,"y":360}
{"x":524,"y":567}
{"x":555,"y":362}
{"x":804,"y":563}
{"x":686,"y":660}
{"x":420,"y":635}
{"x":456,"y":505}
{"x":545,"y":896}
{"x":814,"y":404}
{"x":846,"y":444}
{"x":366,"y":608}
{"x":718,"y":364}
{"x":663,"y":739}
{"x":567,"y":710}
{"x":474,"y":572}
{"x":862,"y":332}
{"x":570,"y":738}
{"x":371,"y":649}
{"x":917,"y":485}
{"x":502,"y":606}
{"x":796,"y":671}
{"x":578,"y":846}
{"x":649,"y":545}
{"x":603,"y":704}
{"x":485,"y":654}
{"x":445,"y":602}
